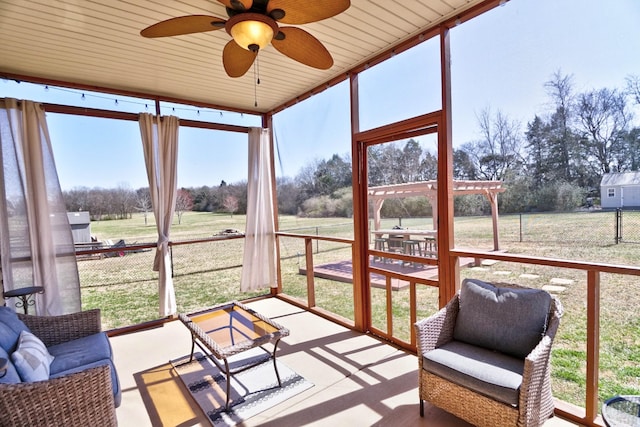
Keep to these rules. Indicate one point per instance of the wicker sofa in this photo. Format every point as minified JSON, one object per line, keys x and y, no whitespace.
{"x":485,"y":357}
{"x":83,"y":387}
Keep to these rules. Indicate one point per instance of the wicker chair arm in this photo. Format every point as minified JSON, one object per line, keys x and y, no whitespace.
{"x":534,"y":393}
{"x":437,"y":329}
{"x":81,"y":399}
{"x":54,"y":330}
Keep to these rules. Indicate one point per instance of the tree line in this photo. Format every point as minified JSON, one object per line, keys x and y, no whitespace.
{"x":558,"y":161}
{"x":122,"y":202}
{"x":555,"y":162}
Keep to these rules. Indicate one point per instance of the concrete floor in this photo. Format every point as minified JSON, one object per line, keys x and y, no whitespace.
{"x":358,"y":380}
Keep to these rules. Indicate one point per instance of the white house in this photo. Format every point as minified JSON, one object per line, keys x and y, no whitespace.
{"x":619,"y":190}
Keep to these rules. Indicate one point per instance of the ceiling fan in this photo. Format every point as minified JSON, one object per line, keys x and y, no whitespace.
{"x":253,"y":24}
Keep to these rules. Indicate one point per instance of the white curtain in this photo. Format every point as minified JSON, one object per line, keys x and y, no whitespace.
{"x":160,"y":144}
{"x":36,"y":242}
{"x":259,"y":263}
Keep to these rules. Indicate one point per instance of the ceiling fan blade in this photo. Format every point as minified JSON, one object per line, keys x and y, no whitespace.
{"x":237,"y":60}
{"x":302,"y":12}
{"x":183,"y":25}
{"x":237,"y":4}
{"x":303,"y":47}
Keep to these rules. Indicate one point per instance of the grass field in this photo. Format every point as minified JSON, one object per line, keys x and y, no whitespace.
{"x":125,"y":288}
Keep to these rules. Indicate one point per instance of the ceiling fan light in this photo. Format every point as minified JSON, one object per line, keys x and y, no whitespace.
{"x":252,"y":31}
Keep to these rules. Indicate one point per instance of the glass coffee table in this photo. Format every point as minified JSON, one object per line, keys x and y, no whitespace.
{"x":229,"y":329}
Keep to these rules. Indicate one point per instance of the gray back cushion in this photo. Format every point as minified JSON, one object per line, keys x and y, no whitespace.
{"x":511,"y":321}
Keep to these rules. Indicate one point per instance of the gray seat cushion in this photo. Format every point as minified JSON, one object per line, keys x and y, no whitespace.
{"x":507,"y":320}
{"x":80,"y":352}
{"x":487,"y":372}
{"x":10,"y":328}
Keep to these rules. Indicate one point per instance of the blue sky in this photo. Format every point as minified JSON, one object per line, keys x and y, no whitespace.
{"x":500,"y":60}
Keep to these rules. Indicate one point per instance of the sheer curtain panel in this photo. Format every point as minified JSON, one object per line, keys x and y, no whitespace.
{"x":36,"y":242}
{"x":259,"y":262}
{"x":160,"y":145}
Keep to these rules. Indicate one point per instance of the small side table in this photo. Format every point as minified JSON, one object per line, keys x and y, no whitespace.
{"x":622,"y":411}
{"x":24,"y":295}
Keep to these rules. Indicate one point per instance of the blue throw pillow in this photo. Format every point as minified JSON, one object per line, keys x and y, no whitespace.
{"x":10,"y":328}
{"x":32,"y":359}
{"x":508,"y":320}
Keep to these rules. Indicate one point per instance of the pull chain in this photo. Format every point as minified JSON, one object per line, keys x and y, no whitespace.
{"x":256,"y":77}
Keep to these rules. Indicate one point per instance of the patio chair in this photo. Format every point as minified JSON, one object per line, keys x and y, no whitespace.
{"x":485,"y":357}
{"x":84,"y":392}
{"x":394,"y":243}
{"x":430,"y":247}
{"x":380,"y":244}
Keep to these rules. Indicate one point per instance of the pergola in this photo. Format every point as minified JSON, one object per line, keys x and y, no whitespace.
{"x":429,"y":189}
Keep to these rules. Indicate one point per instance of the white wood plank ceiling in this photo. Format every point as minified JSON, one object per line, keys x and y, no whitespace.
{"x":98,"y":43}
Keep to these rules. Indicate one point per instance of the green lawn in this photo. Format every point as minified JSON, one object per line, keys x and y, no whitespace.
{"x":125,"y":288}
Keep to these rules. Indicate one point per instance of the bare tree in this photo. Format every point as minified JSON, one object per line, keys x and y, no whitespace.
{"x":633,"y":87}
{"x":122,"y":201}
{"x":77,"y":199}
{"x":97,"y":203}
{"x":230,"y":204}
{"x":604,"y":117}
{"x":184,"y":202}
{"x":143,"y":202}
{"x":499,"y":149}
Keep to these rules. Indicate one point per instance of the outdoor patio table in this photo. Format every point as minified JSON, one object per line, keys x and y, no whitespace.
{"x":622,"y":411}
{"x":406,"y":233}
{"x":229,"y":329}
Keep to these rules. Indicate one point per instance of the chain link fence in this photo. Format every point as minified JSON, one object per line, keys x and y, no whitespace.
{"x":134,"y":263}
{"x":203,"y":260}
{"x":193,"y":260}
{"x":596,"y":228}
{"x":627,"y":226}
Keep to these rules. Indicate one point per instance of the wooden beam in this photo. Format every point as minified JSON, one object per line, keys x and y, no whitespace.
{"x":114,"y":91}
{"x":551,"y":262}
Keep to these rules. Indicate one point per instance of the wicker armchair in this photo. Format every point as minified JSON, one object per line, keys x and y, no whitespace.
{"x":534,"y":402}
{"x":80,"y":399}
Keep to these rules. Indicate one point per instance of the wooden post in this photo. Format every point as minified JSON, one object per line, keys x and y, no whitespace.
{"x":493,"y":201}
{"x":448,"y":266}
{"x":311,"y":288}
{"x":593,"y":344}
{"x":433,"y":200}
{"x":377,"y":207}
{"x":267,"y":122}
{"x":361,"y":298}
